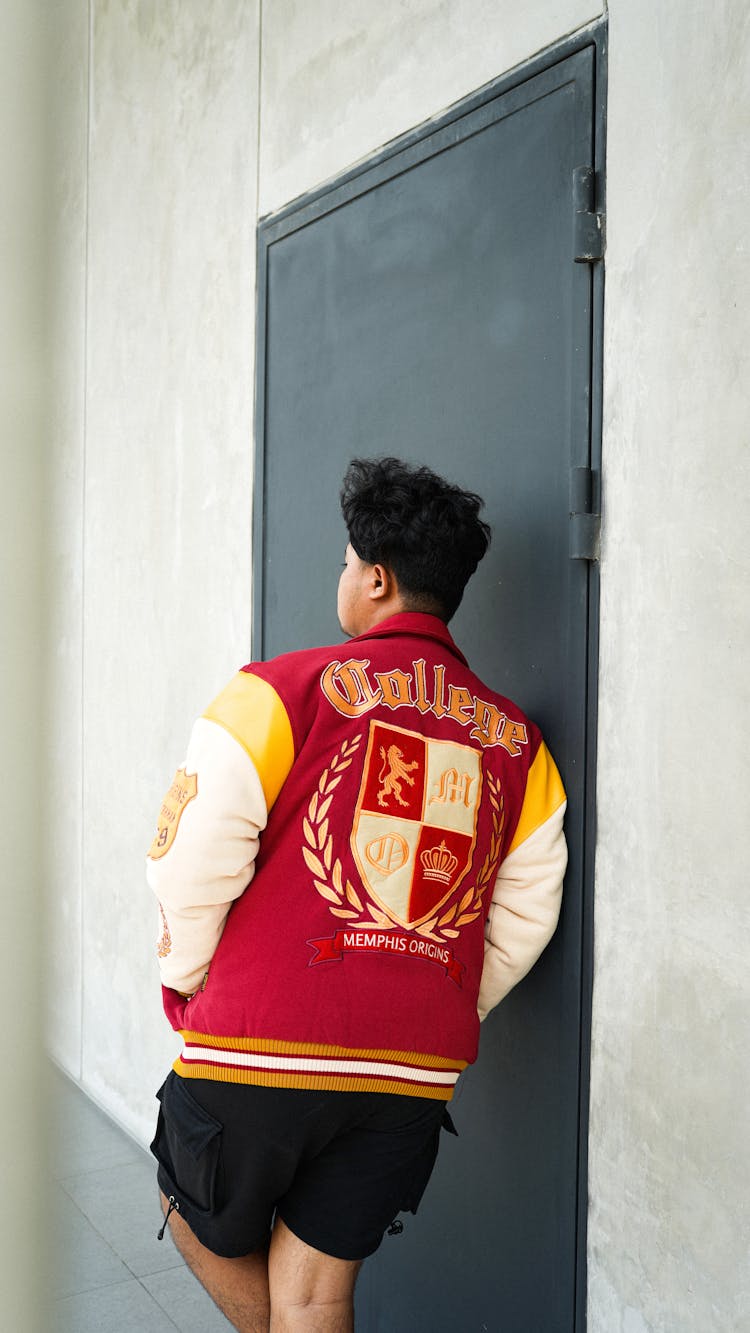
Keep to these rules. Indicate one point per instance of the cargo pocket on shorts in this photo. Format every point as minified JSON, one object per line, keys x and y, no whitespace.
{"x":186,"y":1145}
{"x":420,"y":1177}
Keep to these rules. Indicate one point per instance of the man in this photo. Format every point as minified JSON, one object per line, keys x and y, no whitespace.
{"x":361,"y":855}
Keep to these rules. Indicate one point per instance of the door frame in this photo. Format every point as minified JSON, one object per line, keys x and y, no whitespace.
{"x":412,"y":147}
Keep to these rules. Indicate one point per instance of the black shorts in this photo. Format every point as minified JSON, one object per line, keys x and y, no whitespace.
{"x":335,"y":1166}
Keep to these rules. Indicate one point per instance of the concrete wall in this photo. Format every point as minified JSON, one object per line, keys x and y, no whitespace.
{"x":24,"y":377}
{"x":68,"y":187}
{"x":185,"y":122}
{"x":669,"y":1171}
{"x":153,"y":485}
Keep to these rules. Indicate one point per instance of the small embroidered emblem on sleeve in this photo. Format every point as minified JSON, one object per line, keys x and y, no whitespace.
{"x":164,"y":947}
{"x":184,"y":788}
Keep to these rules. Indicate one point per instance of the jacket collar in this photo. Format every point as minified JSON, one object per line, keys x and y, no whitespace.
{"x":415,"y":624}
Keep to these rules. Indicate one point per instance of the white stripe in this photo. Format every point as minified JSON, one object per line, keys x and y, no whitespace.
{"x":298,"y":1064}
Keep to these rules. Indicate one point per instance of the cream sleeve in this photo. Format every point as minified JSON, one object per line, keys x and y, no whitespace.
{"x":203,"y":854}
{"x":202,"y":857}
{"x":528,"y":889}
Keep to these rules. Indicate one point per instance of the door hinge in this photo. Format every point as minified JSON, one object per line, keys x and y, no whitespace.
{"x":588,"y":239}
{"x":585,"y":519}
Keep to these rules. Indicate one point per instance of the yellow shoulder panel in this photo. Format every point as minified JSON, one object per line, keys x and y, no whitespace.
{"x":251,"y":711}
{"x":544,"y":795}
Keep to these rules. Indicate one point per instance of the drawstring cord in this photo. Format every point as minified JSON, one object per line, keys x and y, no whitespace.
{"x":173,"y":1206}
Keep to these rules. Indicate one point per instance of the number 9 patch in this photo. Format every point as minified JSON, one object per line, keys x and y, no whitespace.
{"x":184,"y":788}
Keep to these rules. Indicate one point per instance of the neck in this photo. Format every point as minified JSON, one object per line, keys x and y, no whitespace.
{"x":383,"y":610}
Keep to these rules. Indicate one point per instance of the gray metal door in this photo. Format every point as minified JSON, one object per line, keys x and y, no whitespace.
{"x":438,"y":304}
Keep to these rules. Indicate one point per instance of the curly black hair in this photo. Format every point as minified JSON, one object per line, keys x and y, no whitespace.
{"x":425,"y":530}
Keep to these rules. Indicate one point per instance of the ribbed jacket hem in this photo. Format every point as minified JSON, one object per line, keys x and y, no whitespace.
{"x":283,"y":1064}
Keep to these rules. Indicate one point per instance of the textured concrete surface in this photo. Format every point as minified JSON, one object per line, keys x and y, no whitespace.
{"x":63,"y":880}
{"x":155,"y":479}
{"x":24,"y":375}
{"x":339,"y":81}
{"x":151,"y":479}
{"x":669,"y":1183}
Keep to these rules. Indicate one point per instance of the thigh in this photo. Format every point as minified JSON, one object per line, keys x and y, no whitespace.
{"x":301,"y":1278}
{"x":238,"y":1286}
{"x":344,"y":1196}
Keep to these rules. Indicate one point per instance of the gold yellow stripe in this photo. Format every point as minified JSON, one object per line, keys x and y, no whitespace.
{"x":317,"y":1082}
{"x":264,"y":1046}
{"x":544,"y":795}
{"x":252,"y":712}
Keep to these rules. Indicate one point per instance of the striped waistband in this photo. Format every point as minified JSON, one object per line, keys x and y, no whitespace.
{"x":283,"y":1064}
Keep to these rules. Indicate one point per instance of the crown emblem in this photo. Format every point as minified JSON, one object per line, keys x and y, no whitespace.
{"x":439,"y":863}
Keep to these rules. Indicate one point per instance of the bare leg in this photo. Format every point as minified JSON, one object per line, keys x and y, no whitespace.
{"x":311,"y":1292}
{"x":238,"y":1286}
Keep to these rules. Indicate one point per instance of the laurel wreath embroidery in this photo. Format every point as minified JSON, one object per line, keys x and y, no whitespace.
{"x":164,"y":947}
{"x":340,"y":893}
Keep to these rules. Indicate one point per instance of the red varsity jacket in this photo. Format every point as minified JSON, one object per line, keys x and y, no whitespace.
{"x":361,"y":854}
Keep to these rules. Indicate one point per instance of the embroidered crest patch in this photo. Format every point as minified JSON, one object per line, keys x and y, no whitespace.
{"x":184,"y":788}
{"x":415,"y":821}
{"x":413,"y":839}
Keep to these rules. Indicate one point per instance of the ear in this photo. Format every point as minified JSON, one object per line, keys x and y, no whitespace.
{"x":382,"y":584}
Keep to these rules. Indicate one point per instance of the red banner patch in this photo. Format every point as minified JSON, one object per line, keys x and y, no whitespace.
{"x":331,"y":948}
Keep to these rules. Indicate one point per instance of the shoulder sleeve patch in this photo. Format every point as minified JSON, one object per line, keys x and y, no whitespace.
{"x":184,"y":788}
{"x":544,"y":795}
{"x":252,"y":712}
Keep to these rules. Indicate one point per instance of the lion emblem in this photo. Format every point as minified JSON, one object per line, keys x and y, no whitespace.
{"x":397,"y":772}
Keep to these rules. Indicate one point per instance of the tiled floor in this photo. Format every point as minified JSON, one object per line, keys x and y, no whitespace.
{"x":111,"y":1273}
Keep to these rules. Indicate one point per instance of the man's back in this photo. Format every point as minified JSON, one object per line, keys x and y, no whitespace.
{"x":364,"y":930}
